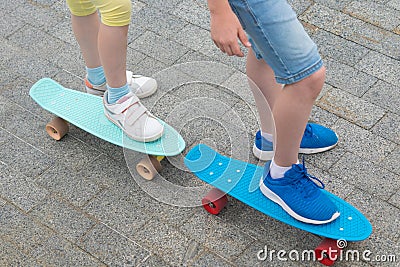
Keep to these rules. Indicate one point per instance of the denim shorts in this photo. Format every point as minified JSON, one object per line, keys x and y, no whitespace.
{"x":278,"y":37}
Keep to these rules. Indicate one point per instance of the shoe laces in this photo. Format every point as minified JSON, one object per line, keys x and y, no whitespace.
{"x":304,"y":181}
{"x":308,"y":131}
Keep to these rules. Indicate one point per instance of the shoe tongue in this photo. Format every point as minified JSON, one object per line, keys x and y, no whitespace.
{"x":298,"y":175}
{"x":308,"y":131}
{"x":296,"y":171}
{"x":129,"y":75}
{"x":298,"y":167}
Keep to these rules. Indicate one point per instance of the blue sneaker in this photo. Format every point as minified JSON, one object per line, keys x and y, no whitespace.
{"x":299,"y":195}
{"x":316,"y":138}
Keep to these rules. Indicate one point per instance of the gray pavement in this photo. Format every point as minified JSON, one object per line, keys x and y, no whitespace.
{"x":78,"y":202}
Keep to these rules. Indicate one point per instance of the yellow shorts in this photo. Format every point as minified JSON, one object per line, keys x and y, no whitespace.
{"x":113,"y":12}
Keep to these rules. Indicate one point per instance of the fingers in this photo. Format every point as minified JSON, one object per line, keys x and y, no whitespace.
{"x":235,"y":50}
{"x":230,"y":48}
{"x":243,"y":38}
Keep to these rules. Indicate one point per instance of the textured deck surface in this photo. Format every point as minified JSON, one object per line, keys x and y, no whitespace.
{"x":240,"y":180}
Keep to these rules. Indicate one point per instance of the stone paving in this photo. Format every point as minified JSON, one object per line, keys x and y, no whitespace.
{"x":77,"y":202}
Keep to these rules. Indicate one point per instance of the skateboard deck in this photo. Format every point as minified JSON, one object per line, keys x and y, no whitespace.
{"x":241,"y":180}
{"x":86,"y":112}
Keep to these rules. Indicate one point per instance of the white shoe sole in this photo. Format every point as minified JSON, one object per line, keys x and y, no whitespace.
{"x":275,"y":198}
{"x":261,"y":154}
{"x":316,"y":150}
{"x":268,"y":155}
{"x":148,"y":93}
{"x":94,"y":91}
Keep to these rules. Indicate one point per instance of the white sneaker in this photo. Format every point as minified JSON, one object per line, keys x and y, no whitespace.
{"x":133,"y":118}
{"x":140,"y":85}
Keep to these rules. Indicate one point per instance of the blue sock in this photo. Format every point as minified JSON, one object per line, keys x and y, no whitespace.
{"x":116,"y":93}
{"x":96,"y":75}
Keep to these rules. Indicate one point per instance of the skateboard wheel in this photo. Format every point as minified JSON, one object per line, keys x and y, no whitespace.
{"x":214,"y":201}
{"x":57,"y":128}
{"x":149,"y":167}
{"x":327,"y":252}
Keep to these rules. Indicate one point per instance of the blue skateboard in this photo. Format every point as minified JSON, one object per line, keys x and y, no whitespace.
{"x":86,"y":112}
{"x":241,"y":180}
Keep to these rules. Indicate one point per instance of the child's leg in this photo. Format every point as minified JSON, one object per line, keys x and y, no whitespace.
{"x":291,"y":112}
{"x":90,"y":34}
{"x":294,"y":56}
{"x":290,"y":109}
{"x":265,"y":90}
{"x":105,"y":44}
{"x":279,"y":38}
{"x":86,"y":30}
{"x":112,"y":50}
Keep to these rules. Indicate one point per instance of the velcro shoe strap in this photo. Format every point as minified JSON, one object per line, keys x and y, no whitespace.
{"x":134,"y":99}
{"x":134,"y":114}
{"x":118,"y":109}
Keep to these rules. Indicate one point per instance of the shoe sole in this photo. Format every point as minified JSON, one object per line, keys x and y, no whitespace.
{"x":148,"y":93}
{"x":316,"y":150}
{"x":94,"y":91}
{"x":262,"y":155}
{"x":275,"y":198}
{"x":139,"y":139}
{"x":268,"y":155}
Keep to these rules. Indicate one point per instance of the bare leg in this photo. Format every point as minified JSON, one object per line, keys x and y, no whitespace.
{"x":291,"y":107}
{"x":106,"y":46}
{"x":111,"y":44}
{"x":86,"y":31}
{"x":264,"y":88}
{"x":113,"y":49}
{"x":291,"y":112}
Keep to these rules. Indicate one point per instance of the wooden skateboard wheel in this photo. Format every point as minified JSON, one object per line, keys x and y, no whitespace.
{"x":214,"y":201}
{"x":57,"y":128}
{"x":328,"y":251}
{"x":149,"y":167}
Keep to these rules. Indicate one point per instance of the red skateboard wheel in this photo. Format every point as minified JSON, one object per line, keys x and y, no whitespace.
{"x":327,"y":252}
{"x":214,"y":201}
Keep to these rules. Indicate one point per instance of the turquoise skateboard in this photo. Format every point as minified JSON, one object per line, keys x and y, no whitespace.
{"x":86,"y":112}
{"x":240,"y":180}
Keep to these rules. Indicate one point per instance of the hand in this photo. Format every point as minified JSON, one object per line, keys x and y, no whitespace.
{"x":225,"y":32}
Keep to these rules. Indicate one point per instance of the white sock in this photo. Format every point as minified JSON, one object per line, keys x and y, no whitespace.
{"x":267,"y":136}
{"x":277,"y":171}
